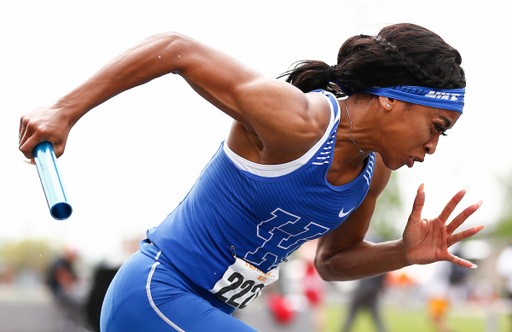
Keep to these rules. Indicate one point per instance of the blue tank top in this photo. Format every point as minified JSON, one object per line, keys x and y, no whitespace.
{"x":258,"y":213}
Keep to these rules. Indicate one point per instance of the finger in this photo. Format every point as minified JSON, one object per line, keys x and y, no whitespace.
{"x":20,"y":127}
{"x":22,"y":130}
{"x":59,"y":149}
{"x":452,"y":204}
{"x":461,"y":262}
{"x":28,"y":146}
{"x":461,"y":217}
{"x":417,"y":206}
{"x":463,"y":235}
{"x":27,"y":132}
{"x":23,"y":146}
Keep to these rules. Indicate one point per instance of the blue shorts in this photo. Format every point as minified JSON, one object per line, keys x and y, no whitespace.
{"x":148,"y":294}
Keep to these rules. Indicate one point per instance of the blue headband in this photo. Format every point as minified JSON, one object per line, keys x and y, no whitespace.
{"x":448,"y":99}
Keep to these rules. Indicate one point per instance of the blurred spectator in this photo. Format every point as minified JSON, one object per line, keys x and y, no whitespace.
{"x":62,"y":280}
{"x":102,"y":278}
{"x":366,"y":296}
{"x":504,"y":269}
{"x":313,"y":284}
{"x":458,"y":279}
{"x":437,"y":289}
{"x":281,"y":309}
{"x":299,"y":292}
{"x":278,"y":299}
{"x":7,"y":273}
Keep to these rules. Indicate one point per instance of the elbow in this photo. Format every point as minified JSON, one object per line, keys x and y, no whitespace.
{"x":332,"y":267}
{"x":327,"y":271}
{"x":169,"y":40}
{"x":170,"y":47}
{"x":166,"y":36}
{"x":321,"y":268}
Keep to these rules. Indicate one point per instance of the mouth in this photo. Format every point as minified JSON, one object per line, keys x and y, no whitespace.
{"x":410,"y":162}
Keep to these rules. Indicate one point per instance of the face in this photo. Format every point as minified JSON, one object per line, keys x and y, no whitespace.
{"x":411,"y":132}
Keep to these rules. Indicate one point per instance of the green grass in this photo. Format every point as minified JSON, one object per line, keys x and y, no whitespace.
{"x":412,"y":320}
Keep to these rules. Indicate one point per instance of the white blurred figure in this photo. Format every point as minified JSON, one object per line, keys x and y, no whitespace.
{"x":437,"y":294}
{"x":313,"y":284}
{"x":504,"y":269}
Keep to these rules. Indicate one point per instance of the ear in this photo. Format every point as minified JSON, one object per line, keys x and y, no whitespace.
{"x":387,"y":103}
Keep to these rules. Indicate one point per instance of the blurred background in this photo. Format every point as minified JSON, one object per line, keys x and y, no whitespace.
{"x":130,"y":161}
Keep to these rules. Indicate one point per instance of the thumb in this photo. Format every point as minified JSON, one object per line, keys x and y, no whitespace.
{"x":417,"y":207}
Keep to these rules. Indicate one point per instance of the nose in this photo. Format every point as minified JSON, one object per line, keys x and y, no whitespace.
{"x":431,"y":145}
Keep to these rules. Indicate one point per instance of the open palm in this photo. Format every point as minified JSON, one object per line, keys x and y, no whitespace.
{"x":428,"y":240}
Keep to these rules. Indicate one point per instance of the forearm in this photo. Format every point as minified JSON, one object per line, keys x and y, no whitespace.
{"x":362,"y":260}
{"x":152,"y":58}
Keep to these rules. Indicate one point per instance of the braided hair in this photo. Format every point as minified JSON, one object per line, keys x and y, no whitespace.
{"x":401,"y":54}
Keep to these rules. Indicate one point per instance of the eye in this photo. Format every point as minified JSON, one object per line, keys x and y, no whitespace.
{"x":441,"y":130}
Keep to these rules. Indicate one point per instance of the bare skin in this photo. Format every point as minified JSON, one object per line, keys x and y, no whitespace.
{"x":274,"y":123}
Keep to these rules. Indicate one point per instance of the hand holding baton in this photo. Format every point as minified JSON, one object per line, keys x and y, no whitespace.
{"x":53,"y":187}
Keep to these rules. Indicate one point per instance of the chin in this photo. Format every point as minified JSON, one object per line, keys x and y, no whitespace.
{"x":395,"y":167}
{"x":392,"y":165}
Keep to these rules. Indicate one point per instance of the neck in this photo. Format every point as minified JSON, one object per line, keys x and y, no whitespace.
{"x":351,"y":127}
{"x":350,"y":148}
{"x":357,"y":124}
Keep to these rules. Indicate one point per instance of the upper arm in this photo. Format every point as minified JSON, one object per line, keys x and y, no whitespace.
{"x":352,"y":231}
{"x":281,"y":116}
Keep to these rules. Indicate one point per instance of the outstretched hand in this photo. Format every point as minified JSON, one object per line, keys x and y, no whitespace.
{"x":427,"y":240}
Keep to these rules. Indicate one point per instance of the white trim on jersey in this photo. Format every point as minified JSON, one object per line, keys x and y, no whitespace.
{"x":271,"y":171}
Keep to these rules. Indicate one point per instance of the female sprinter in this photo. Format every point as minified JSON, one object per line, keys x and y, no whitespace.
{"x":298,"y":164}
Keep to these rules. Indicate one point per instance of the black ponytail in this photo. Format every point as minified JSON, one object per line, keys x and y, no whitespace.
{"x":401,"y":54}
{"x":309,"y":75}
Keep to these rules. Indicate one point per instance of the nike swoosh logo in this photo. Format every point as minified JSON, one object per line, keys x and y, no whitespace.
{"x":343,"y":214}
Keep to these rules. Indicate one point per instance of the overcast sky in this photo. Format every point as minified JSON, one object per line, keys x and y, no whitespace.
{"x":130,"y":161}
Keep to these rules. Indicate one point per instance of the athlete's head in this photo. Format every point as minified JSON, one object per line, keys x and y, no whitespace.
{"x":401,"y":54}
{"x":416,"y":83}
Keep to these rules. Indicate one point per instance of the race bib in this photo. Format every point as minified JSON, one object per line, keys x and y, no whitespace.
{"x":242,"y":283}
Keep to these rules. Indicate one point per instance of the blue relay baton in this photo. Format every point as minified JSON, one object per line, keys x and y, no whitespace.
{"x":53,"y":187}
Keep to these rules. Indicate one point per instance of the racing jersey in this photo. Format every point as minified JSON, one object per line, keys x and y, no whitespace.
{"x":242,"y":218}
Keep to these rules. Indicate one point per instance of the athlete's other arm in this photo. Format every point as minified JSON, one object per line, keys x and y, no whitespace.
{"x":343,"y":254}
{"x":261,"y":106}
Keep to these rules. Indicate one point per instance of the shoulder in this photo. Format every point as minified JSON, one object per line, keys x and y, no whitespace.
{"x":282,"y":128}
{"x":306,"y":126}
